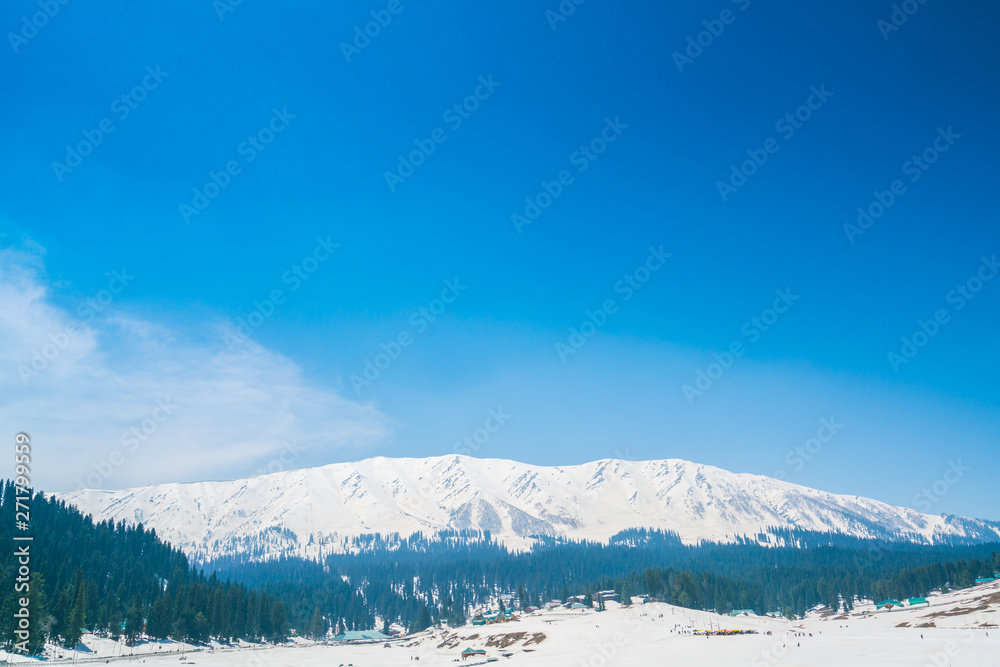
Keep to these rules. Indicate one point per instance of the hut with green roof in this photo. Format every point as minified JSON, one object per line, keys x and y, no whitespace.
{"x":889,"y":604}
{"x":472,"y":652}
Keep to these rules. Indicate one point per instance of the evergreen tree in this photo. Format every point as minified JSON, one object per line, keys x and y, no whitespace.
{"x":38,"y":613}
{"x":279,"y":623}
{"x":317,"y":628}
{"x":626,"y":594}
{"x":159,"y":621}
{"x":199,"y":627}
{"x":133,"y":622}
{"x":8,"y":621}
{"x":423,"y":620}
{"x":77,"y":616}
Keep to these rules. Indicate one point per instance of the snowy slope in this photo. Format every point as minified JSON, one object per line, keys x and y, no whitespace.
{"x":955,"y":629}
{"x":310,"y":512}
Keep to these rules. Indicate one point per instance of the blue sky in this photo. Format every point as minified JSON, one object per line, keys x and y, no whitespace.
{"x":641,"y":145}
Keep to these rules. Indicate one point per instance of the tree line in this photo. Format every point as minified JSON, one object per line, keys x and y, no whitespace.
{"x":420,"y":580}
{"x":119,"y":580}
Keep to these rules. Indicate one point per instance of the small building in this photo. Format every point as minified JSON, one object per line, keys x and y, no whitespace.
{"x":472,"y":652}
{"x":578,"y":605}
{"x":742,"y":612}
{"x":888,"y":604}
{"x":479,"y":620}
{"x":984,"y":580}
{"x":916,"y":601}
{"x":360,"y":636}
{"x":774,"y":614}
{"x":497,"y":617}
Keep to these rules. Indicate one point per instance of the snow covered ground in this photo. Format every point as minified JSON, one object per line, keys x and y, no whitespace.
{"x":954,"y":629}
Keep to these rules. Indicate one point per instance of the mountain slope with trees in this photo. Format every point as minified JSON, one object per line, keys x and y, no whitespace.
{"x":451,"y":575}
{"x":120,"y":580}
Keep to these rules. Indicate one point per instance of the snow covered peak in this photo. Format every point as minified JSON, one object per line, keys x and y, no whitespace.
{"x":314,"y":511}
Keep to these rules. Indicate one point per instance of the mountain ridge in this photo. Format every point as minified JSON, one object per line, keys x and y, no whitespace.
{"x":314,"y":511}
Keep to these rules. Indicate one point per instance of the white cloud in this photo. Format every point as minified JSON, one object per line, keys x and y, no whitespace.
{"x":175,"y":404}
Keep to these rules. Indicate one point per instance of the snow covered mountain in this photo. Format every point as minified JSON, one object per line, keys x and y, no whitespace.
{"x":314,"y":511}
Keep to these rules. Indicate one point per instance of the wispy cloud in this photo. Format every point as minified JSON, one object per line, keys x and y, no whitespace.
{"x":113,"y":399}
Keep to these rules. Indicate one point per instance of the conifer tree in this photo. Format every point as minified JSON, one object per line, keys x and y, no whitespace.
{"x":133,"y":621}
{"x":77,"y":616}
{"x":317,"y":628}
